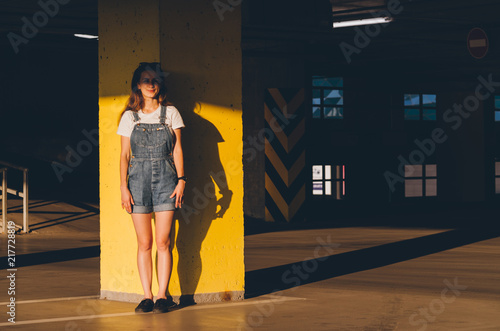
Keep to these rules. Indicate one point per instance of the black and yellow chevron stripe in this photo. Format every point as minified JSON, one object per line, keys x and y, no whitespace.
{"x":284,"y":111}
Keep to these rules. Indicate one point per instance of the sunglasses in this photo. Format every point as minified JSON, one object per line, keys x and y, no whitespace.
{"x":149,"y":64}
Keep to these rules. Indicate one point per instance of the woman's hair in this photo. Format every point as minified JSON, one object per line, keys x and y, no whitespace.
{"x":136,"y":100}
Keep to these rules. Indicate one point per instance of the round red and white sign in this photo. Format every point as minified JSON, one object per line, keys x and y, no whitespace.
{"x":477,"y":43}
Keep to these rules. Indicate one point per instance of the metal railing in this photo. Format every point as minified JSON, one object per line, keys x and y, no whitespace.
{"x":23,"y":194}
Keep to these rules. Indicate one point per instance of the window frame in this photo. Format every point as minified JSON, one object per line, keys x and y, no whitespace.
{"x":496,"y":176}
{"x":420,"y":107}
{"x":337,"y":176}
{"x":322,"y":106}
{"x":423,"y":178}
{"x":496,"y":110}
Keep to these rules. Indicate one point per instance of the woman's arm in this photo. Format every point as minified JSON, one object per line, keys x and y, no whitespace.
{"x":124,"y":164}
{"x":179,"y":167}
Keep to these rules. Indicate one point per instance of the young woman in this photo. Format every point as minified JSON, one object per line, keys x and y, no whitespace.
{"x":151,"y":175}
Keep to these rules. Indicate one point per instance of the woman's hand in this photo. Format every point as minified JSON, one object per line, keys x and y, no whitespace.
{"x":127,"y":199}
{"x":179,"y":193}
{"x":124,"y":165}
{"x":179,"y":166}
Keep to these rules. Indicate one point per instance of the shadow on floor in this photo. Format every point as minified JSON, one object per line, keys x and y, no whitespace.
{"x":268,"y":280}
{"x":436,"y":215}
{"x":61,"y":255}
{"x":69,"y":216}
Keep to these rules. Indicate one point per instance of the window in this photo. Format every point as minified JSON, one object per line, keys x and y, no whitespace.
{"x":327,"y":97}
{"x":497,"y":108}
{"x":420,"y":180}
{"x":497,"y":177}
{"x":326,"y":183}
{"x":420,"y":107}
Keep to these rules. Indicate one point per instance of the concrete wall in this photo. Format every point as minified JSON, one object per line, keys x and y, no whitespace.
{"x":202,"y":54}
{"x":259,"y":74}
{"x":461,"y":157}
{"x":269,"y":62}
{"x":202,"y":60}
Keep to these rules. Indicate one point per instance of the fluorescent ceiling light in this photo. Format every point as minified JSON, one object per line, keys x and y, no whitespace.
{"x":86,"y":36}
{"x":366,"y":21}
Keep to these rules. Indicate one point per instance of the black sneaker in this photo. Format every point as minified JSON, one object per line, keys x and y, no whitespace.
{"x":161,"y":306}
{"x":145,"y":306}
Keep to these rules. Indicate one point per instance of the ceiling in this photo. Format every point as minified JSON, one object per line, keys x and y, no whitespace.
{"x":346,"y":8}
{"x":428,"y":31}
{"x":424,"y":35}
{"x":424,"y":30}
{"x":77,"y":16}
{"x":80,"y":16}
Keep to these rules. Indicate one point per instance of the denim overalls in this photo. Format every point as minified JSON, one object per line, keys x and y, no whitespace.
{"x":151,"y":175}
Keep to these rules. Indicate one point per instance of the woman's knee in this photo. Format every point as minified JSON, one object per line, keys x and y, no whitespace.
{"x":145,"y":244}
{"x":163,"y":245}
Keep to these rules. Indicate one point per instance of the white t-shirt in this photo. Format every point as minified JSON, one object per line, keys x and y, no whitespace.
{"x":173,"y":120}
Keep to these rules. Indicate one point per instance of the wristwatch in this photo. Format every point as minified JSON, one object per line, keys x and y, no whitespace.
{"x":182,"y":178}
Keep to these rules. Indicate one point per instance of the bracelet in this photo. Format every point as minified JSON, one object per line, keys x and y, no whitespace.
{"x":182,"y":178}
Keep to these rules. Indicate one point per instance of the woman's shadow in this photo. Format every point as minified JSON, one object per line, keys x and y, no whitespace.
{"x":206,"y":176}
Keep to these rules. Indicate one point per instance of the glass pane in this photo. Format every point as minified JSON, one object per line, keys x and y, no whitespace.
{"x":497,"y":185}
{"x":413,"y":170}
{"x":497,"y":116}
{"x":327,"y":81}
{"x":334,"y":112}
{"x":430,"y":187}
{"x":316,"y":112}
{"x":430,"y":170}
{"x":429,"y":100}
{"x":317,"y":172}
{"x":316,"y":96}
{"x":497,"y":168}
{"x":340,"y":172}
{"x":413,"y":188}
{"x":497,"y":101}
{"x":340,"y":190}
{"x":429,"y":114}
{"x":318,"y":81}
{"x":328,"y":172}
{"x":317,"y":188}
{"x":336,"y":81}
{"x":333,"y":97}
{"x":412,"y":99}
{"x":328,"y":188}
{"x":412,"y":114}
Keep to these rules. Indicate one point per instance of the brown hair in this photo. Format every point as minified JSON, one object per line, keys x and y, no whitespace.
{"x":136,"y":100}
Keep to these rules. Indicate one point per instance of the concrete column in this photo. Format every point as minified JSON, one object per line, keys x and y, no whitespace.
{"x":461,"y":158}
{"x":201,"y":57}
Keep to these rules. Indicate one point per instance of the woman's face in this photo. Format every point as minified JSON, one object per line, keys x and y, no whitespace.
{"x":148,"y":84}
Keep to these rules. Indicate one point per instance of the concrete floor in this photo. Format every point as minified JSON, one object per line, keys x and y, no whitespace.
{"x":346,"y":278}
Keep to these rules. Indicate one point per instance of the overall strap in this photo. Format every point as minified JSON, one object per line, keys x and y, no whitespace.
{"x":163,"y":115}
{"x":136,"y":116}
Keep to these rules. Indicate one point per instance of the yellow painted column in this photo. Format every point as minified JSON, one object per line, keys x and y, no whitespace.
{"x":201,"y":57}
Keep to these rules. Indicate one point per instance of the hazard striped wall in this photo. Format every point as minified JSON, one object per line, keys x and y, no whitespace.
{"x":285,"y":181}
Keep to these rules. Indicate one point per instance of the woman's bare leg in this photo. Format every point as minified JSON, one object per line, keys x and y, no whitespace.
{"x":163,"y":228}
{"x":142,"y":224}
